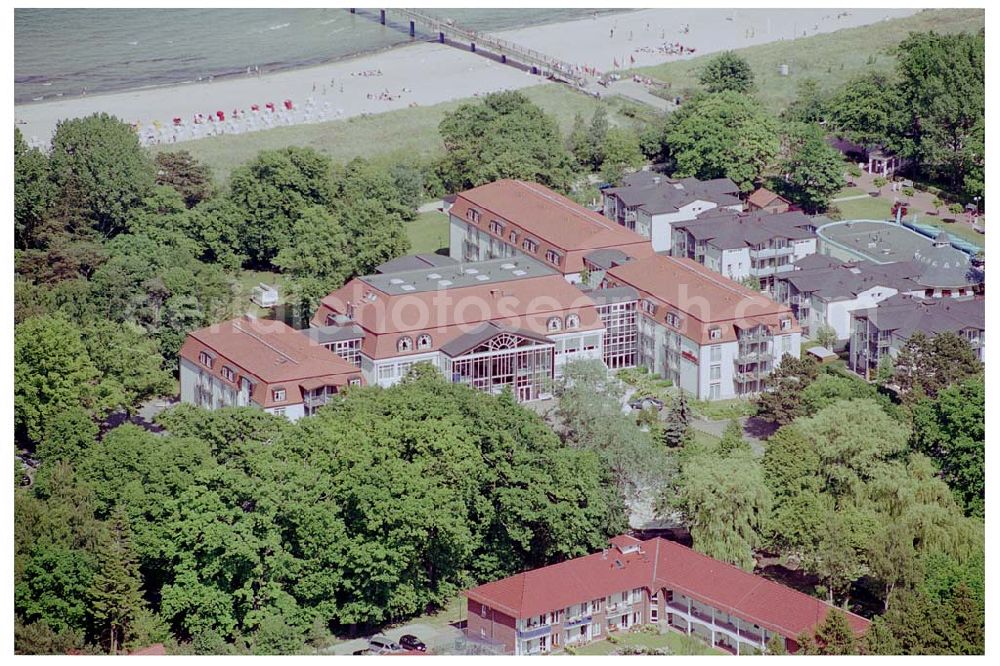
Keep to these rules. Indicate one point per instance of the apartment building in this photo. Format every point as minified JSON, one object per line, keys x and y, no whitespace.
{"x":880,"y":332}
{"x":760,"y":244}
{"x":512,"y":218}
{"x":828,"y":294}
{"x":634,"y":583}
{"x":650,"y":203}
{"x":501,"y":323}
{"x":251,"y":362}
{"x":709,"y":335}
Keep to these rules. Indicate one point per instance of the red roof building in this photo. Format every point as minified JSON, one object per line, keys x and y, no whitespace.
{"x":249,"y":361}
{"x":508,"y":218}
{"x":766,"y":200}
{"x":635,"y":583}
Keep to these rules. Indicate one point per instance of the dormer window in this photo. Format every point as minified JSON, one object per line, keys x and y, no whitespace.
{"x":404,"y":344}
{"x":473,"y":215}
{"x":572,"y":321}
{"x":786,"y":324}
{"x":529,"y":245}
{"x":278,"y":395}
{"x":673,"y":320}
{"x":553,"y":257}
{"x":513,"y":236}
{"x":423,"y":341}
{"x":228,"y":373}
{"x":715,"y":334}
{"x":648,"y":306}
{"x":554,"y":324}
{"x":206,"y":359}
{"x":496,"y":227}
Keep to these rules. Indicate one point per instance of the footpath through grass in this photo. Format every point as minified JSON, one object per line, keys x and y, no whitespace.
{"x":830,"y":58}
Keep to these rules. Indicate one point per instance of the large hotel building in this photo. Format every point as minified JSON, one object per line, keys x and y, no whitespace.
{"x":634,"y":583}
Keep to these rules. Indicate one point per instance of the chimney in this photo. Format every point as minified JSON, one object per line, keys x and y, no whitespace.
{"x":604,"y":553}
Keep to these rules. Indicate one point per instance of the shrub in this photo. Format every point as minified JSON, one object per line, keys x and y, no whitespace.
{"x":955,"y":209}
{"x":854,"y":170}
{"x":880,"y":182}
{"x":937,"y":203}
{"x":908,"y":191}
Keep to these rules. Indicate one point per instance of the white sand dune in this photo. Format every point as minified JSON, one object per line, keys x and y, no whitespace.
{"x":425,"y":74}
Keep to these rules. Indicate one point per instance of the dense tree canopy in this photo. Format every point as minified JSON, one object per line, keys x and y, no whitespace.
{"x":504,"y":135}
{"x":810,"y":171}
{"x":727,"y":71}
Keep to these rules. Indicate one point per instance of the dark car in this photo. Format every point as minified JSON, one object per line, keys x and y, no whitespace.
{"x":648,"y":402}
{"x":411,"y":642}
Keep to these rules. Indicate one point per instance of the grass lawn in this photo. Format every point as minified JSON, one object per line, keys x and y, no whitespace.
{"x":850,"y":192}
{"x":717,"y":410}
{"x":247,"y":280}
{"x":871,"y":208}
{"x":831,"y":58}
{"x":674,"y":642}
{"x":404,"y":135}
{"x":428,"y":233}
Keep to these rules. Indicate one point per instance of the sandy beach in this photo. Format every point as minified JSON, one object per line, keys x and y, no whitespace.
{"x":426,"y":73}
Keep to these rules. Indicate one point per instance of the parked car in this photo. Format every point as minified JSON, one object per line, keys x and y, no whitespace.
{"x":646,"y":403}
{"x":358,"y":653}
{"x":411,"y":642}
{"x":382,"y":645}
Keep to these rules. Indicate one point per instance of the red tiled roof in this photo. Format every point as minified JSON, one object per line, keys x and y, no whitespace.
{"x":659,"y":564}
{"x":272,"y":353}
{"x":764,"y":197}
{"x":703,"y":298}
{"x":154,"y":649}
{"x":549,"y":218}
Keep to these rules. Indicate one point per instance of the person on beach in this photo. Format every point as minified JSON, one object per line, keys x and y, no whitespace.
{"x":612,"y":33}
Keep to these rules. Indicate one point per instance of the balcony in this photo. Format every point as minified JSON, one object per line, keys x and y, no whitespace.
{"x":768,"y":252}
{"x":535,"y":632}
{"x":751,"y":357}
{"x":577,"y":621}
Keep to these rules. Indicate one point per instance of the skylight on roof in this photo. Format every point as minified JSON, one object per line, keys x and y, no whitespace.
{"x":471,"y":271}
{"x":444,"y":283}
{"x":520,"y":272}
{"x":434,"y":276}
{"x":395,"y":281}
{"x":407,"y":287}
{"x":507,"y":266}
{"x":482,"y":278}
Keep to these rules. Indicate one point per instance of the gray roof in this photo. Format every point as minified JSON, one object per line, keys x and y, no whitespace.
{"x":458,"y":275}
{"x":816,"y":261}
{"x":882,"y":242}
{"x":905,"y":315}
{"x":613,"y":295}
{"x":607,"y":258}
{"x":728,"y":230}
{"x":942,"y":265}
{"x":327,"y":334}
{"x":414,"y":262}
{"x":844,"y":281}
{"x":656,"y":193}
{"x":481,"y":334}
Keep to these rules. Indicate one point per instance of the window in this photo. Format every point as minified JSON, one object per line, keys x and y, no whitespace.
{"x":673,"y":320}
{"x":716,"y":351}
{"x":554,"y":324}
{"x":553,"y":257}
{"x":572,"y":321}
{"x":206,"y":359}
{"x":529,"y":245}
{"x":648,"y":306}
{"x":716,"y":372}
{"x":591,"y":341}
{"x":482,"y":611}
{"x":786,"y":324}
{"x":278,"y":411}
{"x":496,"y":227}
{"x":278,"y":395}
{"x":714,"y":333}
{"x":423,"y":341}
{"x":714,"y":391}
{"x":597,"y":628}
{"x":513,"y":236}
{"x":404,"y":344}
{"x":473,"y":215}
{"x":354,"y":381}
{"x":228,"y":373}
{"x":385,"y":372}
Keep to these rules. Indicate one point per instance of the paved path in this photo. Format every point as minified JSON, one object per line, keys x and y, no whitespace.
{"x":852,"y":198}
{"x":439,"y":640}
{"x":431,"y":206}
{"x":636,"y":92}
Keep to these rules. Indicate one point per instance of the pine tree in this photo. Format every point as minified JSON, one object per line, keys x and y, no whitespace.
{"x":732,"y":439}
{"x":835,"y":636}
{"x":776,"y":645}
{"x":677,"y":426}
{"x":115,"y":595}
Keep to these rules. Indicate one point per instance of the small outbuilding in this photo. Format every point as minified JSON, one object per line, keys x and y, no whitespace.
{"x":822,"y":354}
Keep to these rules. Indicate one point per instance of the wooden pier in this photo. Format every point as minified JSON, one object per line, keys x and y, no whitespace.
{"x":479,"y":42}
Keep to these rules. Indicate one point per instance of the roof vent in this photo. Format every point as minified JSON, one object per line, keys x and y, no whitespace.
{"x":507,"y":266}
{"x":395,"y":281}
{"x":407,"y":287}
{"x":618,"y":563}
{"x":471,"y":271}
{"x":444,"y":283}
{"x":519,"y":272}
{"x":482,"y":278}
{"x":433,"y":276}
